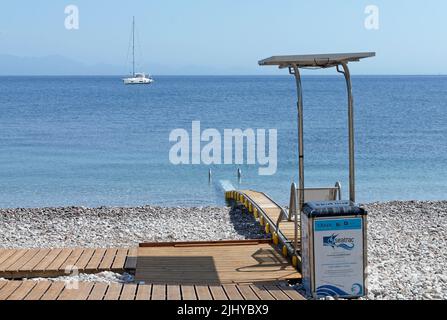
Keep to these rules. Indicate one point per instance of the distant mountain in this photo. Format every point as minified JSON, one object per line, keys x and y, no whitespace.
{"x":12,"y":65}
{"x":53,"y":65}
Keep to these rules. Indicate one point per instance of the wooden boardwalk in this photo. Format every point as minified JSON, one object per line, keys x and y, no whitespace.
{"x":219,"y":270}
{"x":46,"y":290}
{"x":267,"y":212}
{"x":213,"y":263}
{"x":271,"y":213}
{"x":31,"y":263}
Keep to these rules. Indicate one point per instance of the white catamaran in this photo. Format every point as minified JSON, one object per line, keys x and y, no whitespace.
{"x":136,"y":78}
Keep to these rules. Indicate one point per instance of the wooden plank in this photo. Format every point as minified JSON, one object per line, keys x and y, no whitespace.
{"x":113,"y":292}
{"x":84,"y":290}
{"x":203,"y":293}
{"x":212,"y":277}
{"x":131,"y":260}
{"x":67,"y":293}
{"x":188,"y":292}
{"x":194,"y":244}
{"x":173,"y":292}
{"x":53,"y":291}
{"x":70,"y":264}
{"x":9,"y":289}
{"x":247,"y":293}
{"x":158,"y":292}
{"x":5,"y":254}
{"x":38,"y":291}
{"x":287,"y":226}
{"x":107,"y":261}
{"x":218,"y":293}
{"x":221,"y":243}
{"x":60,"y":259}
{"x":98,"y":292}
{"x":31,"y":264}
{"x":263,"y":257}
{"x":12,"y":259}
{"x":3,"y":283}
{"x":80,"y":291}
{"x":129,"y":292}
{"x":262,"y":203}
{"x":232,"y":292}
{"x":261,"y":292}
{"x":206,"y":250}
{"x":23,"y":290}
{"x":272,"y":213}
{"x":85,"y":258}
{"x":96,"y":259}
{"x":210,"y":265}
{"x":144,"y":292}
{"x":253,"y":254}
{"x":197,"y":278}
{"x":133,"y":252}
{"x":241,"y":246}
{"x":291,"y":293}
{"x":223,"y":256}
{"x":120,"y":260}
{"x":47,"y":260}
{"x":276,"y":292}
{"x":213,"y":265}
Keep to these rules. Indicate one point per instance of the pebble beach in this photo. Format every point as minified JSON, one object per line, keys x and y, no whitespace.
{"x":407,"y":241}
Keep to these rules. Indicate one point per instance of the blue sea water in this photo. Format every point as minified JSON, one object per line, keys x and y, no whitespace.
{"x":93,"y":141}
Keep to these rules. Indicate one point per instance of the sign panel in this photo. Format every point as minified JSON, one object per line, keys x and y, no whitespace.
{"x":338,"y":254}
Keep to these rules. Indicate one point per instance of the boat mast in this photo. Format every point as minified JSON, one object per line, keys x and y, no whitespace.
{"x":133,"y":47}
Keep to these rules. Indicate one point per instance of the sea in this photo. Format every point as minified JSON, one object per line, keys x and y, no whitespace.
{"x":92,"y":141}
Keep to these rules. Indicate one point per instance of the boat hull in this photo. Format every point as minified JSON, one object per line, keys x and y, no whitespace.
{"x":137,"y":81}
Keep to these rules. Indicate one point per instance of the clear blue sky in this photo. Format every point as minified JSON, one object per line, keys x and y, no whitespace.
{"x":228,"y":36}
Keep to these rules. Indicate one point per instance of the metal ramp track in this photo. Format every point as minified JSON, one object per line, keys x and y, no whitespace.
{"x":267,"y":212}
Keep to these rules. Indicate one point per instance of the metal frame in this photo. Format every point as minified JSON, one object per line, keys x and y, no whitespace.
{"x":347,"y":75}
{"x":294,"y":213}
{"x":294,"y":63}
{"x":294,"y":70}
{"x":293,"y":201}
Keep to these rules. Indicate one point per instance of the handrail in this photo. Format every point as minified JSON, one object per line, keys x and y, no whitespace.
{"x":293,"y":201}
{"x":338,"y":186}
{"x":293,"y":205}
{"x":283,"y":211}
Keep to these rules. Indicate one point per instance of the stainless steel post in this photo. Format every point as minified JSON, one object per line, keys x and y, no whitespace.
{"x":299,"y":89}
{"x":347,"y":75}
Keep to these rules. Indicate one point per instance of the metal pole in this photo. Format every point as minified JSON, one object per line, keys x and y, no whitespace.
{"x":347,"y":75}
{"x":133,"y":47}
{"x":299,"y":89}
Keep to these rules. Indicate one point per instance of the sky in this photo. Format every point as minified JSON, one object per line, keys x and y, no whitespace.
{"x":221,"y":37}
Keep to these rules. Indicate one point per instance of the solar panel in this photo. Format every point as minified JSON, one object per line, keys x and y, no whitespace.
{"x":315,"y":60}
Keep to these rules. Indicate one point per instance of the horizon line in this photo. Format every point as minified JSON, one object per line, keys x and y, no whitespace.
{"x":223,"y":75}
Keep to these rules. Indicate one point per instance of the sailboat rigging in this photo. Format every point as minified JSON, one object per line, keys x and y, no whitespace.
{"x":137,"y":77}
